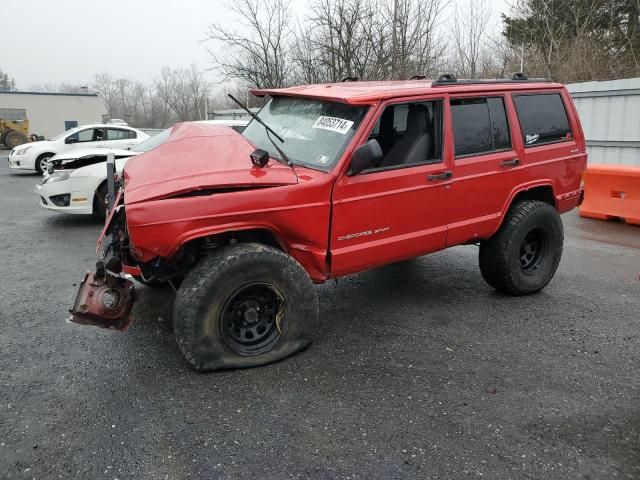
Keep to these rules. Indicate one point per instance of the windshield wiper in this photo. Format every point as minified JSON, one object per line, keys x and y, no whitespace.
{"x":268,"y":129}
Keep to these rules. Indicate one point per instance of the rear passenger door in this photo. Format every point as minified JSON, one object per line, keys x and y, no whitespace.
{"x":485,"y":165}
{"x":120,"y":138}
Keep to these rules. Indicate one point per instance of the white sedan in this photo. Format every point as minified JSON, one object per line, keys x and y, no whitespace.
{"x":76,"y":181}
{"x":36,"y":155}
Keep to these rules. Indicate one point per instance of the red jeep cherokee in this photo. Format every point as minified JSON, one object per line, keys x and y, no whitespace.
{"x":330,"y":180}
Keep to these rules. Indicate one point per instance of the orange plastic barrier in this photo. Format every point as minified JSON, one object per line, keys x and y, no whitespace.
{"x":612,"y":191}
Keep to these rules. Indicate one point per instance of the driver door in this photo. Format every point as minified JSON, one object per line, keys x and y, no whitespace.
{"x":397,"y":210}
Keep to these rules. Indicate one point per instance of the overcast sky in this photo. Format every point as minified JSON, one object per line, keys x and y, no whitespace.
{"x":52,"y":41}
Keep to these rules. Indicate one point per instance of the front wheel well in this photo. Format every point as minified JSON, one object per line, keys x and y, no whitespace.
{"x":45,"y":154}
{"x":193,"y":251}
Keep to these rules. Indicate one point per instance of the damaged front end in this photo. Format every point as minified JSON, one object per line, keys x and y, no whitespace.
{"x":106,"y":297}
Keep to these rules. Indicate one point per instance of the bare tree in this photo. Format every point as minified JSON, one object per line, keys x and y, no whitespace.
{"x":63,"y":87}
{"x":469,"y":33}
{"x":6,"y":83}
{"x":106,"y":87}
{"x":184,"y":91}
{"x":415,"y":44}
{"x":257,"y":54}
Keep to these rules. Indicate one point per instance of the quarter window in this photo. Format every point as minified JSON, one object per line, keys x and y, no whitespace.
{"x":479,"y":126}
{"x":543,"y":118}
{"x":113,"y":134}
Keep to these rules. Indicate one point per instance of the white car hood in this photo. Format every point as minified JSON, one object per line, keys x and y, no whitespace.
{"x":40,"y":145}
{"x":91,"y":151}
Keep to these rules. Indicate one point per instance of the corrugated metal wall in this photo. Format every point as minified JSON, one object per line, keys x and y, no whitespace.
{"x":610,"y":115}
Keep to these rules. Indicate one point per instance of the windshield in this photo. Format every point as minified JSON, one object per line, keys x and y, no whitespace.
{"x":65,"y":133}
{"x":153,"y":142}
{"x":315,"y":132}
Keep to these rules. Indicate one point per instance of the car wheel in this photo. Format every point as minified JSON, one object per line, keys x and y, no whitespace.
{"x":523,"y":256}
{"x":100,"y":202}
{"x":42,"y":162}
{"x":243,"y":306}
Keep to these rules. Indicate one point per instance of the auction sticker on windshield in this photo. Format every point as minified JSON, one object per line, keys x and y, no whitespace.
{"x":333,"y":124}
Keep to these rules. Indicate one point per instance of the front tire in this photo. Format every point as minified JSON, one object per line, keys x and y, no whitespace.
{"x":42,"y":161}
{"x":100,"y":202}
{"x":245,"y":305}
{"x":523,"y":256}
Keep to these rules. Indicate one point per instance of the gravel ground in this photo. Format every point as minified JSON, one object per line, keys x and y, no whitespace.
{"x":419,"y":370}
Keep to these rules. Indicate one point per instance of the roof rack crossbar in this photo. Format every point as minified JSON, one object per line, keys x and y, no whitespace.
{"x":449,"y":79}
{"x":349,"y":79}
{"x":418,"y":77}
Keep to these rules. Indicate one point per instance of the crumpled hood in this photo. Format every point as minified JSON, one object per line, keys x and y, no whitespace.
{"x":198,"y":157}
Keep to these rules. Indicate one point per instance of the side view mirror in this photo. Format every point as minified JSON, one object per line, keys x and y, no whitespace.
{"x":70,"y":140}
{"x":365,"y":156}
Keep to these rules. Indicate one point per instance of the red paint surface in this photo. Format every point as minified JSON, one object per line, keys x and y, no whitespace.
{"x":316,"y":219}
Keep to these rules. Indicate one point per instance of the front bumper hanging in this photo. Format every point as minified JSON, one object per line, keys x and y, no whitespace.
{"x":104,"y":300}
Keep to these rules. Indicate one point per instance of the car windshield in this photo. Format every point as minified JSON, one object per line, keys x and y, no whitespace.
{"x":65,"y":133}
{"x":153,"y":142}
{"x":315,"y":132}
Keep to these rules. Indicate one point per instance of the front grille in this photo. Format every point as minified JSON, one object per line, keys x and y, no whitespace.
{"x":43,"y":200}
{"x":61,"y":200}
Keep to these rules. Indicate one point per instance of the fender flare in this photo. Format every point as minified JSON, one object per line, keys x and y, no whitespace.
{"x":231,"y":227}
{"x":524,"y":187}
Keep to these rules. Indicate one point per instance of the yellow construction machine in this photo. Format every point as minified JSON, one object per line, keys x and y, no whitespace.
{"x":14,"y":128}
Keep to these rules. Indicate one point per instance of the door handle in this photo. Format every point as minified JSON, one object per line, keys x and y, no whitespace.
{"x":510,"y":163}
{"x":440,"y":176}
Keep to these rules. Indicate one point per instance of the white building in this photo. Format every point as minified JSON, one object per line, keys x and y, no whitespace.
{"x":52,"y":113}
{"x":610,"y":116}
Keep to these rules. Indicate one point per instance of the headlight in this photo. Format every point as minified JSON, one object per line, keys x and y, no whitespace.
{"x":23,"y":151}
{"x":58,"y":176}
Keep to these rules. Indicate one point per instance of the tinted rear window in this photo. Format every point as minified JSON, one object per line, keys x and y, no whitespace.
{"x":543,"y":118}
{"x":479,"y":125}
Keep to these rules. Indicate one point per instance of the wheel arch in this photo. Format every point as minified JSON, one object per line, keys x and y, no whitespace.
{"x":542,"y":191}
{"x":254,"y":233}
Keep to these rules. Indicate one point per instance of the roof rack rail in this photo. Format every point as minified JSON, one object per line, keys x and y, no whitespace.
{"x":349,"y":79}
{"x":518,"y":77}
{"x":418,"y":77}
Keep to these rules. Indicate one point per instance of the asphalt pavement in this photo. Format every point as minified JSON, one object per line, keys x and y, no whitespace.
{"x":418,"y":370}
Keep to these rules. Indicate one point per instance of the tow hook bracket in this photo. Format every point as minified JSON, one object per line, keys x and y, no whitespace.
{"x":104,"y":300}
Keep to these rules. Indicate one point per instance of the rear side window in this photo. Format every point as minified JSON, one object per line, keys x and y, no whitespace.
{"x":543,"y":118}
{"x":479,"y":126}
{"x":114,"y":134}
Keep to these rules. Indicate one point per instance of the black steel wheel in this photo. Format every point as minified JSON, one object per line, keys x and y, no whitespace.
{"x":533,"y":251}
{"x":524,"y":254}
{"x":252,"y":319}
{"x":243,"y":306}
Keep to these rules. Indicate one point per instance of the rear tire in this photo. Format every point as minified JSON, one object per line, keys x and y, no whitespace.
{"x":245,"y":305}
{"x":523,"y":256}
